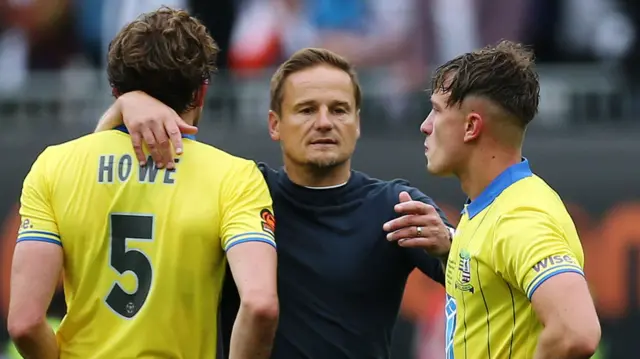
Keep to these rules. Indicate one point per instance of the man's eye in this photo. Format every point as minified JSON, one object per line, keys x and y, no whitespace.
{"x":306,"y":111}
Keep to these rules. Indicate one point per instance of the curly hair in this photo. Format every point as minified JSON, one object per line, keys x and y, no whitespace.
{"x":306,"y":59}
{"x":165,"y":53}
{"x":504,"y":73}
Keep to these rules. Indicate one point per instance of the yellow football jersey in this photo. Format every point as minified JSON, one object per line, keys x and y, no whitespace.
{"x":144,"y":248}
{"x":510,"y":239}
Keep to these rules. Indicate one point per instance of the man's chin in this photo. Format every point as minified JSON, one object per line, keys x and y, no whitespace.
{"x":437,"y":171}
{"x":325,"y":162}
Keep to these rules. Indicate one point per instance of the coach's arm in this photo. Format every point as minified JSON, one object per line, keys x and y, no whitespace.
{"x":533,"y":254}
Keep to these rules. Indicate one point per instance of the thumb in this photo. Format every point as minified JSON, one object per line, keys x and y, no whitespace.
{"x":404,"y":196}
{"x":186,"y":128}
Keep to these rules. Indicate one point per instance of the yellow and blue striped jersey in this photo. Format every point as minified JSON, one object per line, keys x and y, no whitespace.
{"x":510,"y":239}
{"x":144,"y":248}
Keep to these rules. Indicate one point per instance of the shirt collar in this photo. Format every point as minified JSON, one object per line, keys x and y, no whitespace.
{"x":123,"y":128}
{"x":510,"y":176}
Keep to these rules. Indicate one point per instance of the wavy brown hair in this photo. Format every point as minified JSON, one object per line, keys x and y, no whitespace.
{"x":504,"y":73}
{"x":165,"y":53}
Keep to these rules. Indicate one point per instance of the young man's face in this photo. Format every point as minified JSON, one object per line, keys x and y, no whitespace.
{"x":445,"y":129}
{"x":319,"y":123}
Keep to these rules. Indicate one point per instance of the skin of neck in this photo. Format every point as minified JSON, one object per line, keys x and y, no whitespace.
{"x":484,"y":166}
{"x":191,"y":117}
{"x":311,"y":176}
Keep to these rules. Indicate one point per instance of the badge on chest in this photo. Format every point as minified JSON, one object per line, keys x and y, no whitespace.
{"x":463,"y":278}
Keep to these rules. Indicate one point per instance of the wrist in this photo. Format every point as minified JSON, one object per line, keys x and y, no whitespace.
{"x":445,"y":256}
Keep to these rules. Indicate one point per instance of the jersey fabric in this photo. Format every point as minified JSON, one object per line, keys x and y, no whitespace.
{"x":144,"y":248}
{"x":340,"y":281}
{"x":515,"y":235}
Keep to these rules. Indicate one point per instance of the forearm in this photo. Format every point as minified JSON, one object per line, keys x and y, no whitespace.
{"x":555,"y":343}
{"x":38,"y":343}
{"x":252,"y":336}
{"x":111,"y":118}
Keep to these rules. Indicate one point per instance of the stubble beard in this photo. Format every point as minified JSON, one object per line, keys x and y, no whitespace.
{"x":322,"y":167}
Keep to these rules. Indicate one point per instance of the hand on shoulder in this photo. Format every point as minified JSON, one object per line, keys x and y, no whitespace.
{"x":154,"y":124}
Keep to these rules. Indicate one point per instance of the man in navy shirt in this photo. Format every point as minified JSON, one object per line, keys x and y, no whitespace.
{"x":340,"y":281}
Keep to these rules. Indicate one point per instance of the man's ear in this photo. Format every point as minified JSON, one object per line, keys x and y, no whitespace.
{"x":474,"y":124}
{"x":201,"y":95}
{"x":358,"y":124}
{"x":274,"y":125}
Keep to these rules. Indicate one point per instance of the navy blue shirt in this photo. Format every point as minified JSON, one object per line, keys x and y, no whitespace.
{"x":340,"y":282}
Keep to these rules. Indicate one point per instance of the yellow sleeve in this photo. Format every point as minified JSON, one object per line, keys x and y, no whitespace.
{"x":38,"y":221}
{"x":247,"y":212}
{"x":530,"y":247}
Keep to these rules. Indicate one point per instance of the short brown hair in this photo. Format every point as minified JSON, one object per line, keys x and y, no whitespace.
{"x":166,"y":53}
{"x":305,"y":59}
{"x":503,"y":73}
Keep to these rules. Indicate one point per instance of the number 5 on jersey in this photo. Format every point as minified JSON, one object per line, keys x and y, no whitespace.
{"x":125,"y":228}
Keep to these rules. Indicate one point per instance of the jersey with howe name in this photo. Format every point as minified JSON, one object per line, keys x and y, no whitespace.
{"x":144,"y":248}
{"x":510,"y":239}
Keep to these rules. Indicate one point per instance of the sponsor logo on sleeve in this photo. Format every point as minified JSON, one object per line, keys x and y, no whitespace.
{"x":553,"y":261}
{"x":268,"y":221}
{"x":26,"y":224}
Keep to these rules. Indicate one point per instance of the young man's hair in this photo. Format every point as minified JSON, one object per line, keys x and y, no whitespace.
{"x":305,"y":59}
{"x":167,"y":54}
{"x":504,"y":74}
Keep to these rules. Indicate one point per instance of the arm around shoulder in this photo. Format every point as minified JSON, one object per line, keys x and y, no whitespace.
{"x":110,"y":119}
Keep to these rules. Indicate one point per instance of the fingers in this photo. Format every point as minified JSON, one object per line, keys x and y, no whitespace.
{"x":412,"y":232}
{"x":409,"y":232}
{"x":419,"y":242}
{"x":136,"y":139}
{"x":414,"y":207}
{"x":163,"y":146}
{"x":150,"y":140}
{"x":406,"y":221}
{"x":404,"y":196}
{"x":175,"y":136}
{"x":185,"y":128}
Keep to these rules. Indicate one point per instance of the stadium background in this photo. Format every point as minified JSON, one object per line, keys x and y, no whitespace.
{"x":584,"y":142}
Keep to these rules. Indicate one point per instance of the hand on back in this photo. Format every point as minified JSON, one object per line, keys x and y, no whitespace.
{"x":154,"y":124}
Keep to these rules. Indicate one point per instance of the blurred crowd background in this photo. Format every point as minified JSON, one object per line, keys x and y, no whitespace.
{"x":584,"y":142}
{"x":592,"y":45}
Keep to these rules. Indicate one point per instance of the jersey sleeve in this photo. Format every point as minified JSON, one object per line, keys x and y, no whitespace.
{"x":530,"y":247}
{"x":247,"y":211}
{"x":38,"y":222}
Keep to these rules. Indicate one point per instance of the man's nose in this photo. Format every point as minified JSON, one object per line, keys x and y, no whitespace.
{"x":427,"y":126}
{"x":323,"y":121}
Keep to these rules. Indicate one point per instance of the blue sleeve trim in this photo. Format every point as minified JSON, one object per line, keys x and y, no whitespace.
{"x":251,"y":239}
{"x":549,"y":275}
{"x":39,"y":232}
{"x":264,"y":234}
{"x":39,"y":239}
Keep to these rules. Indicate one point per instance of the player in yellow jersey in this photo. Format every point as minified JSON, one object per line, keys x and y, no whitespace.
{"x":514,"y":279}
{"x":143,"y":250}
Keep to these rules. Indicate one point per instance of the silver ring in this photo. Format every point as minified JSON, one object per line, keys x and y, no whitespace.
{"x":419,"y":231}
